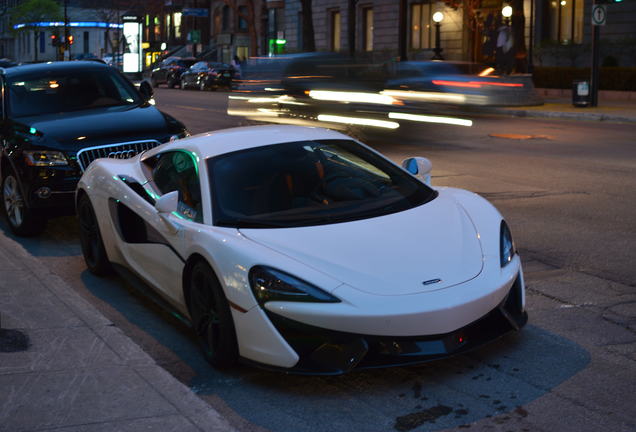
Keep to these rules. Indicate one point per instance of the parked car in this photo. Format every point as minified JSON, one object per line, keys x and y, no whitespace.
{"x":114,"y":60}
{"x":207,"y":76}
{"x":459,"y":83}
{"x":303,"y":250}
{"x":56,"y":119}
{"x":7,"y":63}
{"x":169,"y":71}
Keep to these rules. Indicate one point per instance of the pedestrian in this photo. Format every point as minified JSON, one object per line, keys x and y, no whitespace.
{"x":236,"y":65}
{"x":505,"y":55}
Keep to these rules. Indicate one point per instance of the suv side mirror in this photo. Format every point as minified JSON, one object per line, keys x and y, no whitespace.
{"x":145,"y":89}
{"x":419,"y":167}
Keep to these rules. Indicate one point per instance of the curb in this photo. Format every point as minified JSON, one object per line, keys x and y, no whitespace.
{"x":601,"y":117}
{"x":184,"y":401}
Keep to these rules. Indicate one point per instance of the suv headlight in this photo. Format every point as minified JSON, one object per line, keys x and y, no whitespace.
{"x":44,"y":158}
{"x":506,"y":245}
{"x":269,"y":284}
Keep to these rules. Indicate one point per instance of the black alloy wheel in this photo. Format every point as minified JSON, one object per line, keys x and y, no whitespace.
{"x":183,"y":84}
{"x":91,"y":239}
{"x":211,"y":317}
{"x":202,"y":85}
{"x":22,"y":220}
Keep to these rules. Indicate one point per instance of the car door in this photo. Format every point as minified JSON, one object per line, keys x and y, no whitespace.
{"x":156,"y":246}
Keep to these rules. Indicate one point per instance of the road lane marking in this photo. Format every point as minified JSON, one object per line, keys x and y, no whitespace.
{"x":191,"y":108}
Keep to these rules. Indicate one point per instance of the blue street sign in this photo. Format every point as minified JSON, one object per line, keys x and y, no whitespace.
{"x":199,"y":12}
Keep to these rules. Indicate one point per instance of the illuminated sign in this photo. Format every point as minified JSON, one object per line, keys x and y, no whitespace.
{"x":132,"y":50}
{"x":94,"y":24}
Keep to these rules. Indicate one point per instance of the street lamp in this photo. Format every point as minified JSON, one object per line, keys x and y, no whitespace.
{"x":437,"y":17}
{"x":506,"y":11}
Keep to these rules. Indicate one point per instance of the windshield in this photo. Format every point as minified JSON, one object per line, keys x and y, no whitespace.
{"x":71,"y":91}
{"x":185,"y":63}
{"x":308,"y":183}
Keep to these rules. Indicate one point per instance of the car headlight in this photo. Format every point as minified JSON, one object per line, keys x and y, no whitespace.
{"x":506,"y":245}
{"x":45,"y":158}
{"x":269,"y":284}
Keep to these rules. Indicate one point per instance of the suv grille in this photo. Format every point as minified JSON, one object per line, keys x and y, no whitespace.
{"x":124,"y":150}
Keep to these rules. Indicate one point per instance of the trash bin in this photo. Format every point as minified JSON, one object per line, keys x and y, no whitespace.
{"x":581,"y":93}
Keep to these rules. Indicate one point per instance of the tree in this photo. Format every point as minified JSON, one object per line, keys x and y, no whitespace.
{"x":31,"y":12}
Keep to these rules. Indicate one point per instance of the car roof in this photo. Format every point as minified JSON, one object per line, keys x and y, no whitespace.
{"x":211,"y":144}
{"x":62,"y":67}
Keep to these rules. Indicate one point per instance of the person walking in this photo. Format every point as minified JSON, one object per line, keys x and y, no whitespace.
{"x":505,"y":54}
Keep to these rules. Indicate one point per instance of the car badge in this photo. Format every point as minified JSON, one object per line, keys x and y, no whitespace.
{"x":431,"y":282}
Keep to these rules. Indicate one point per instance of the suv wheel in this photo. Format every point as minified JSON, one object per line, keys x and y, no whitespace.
{"x":22,"y":220}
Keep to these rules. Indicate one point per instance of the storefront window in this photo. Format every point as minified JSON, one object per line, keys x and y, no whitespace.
{"x":177,"y":24}
{"x":368,"y":29}
{"x":420,"y":25}
{"x":335,"y":30}
{"x":566,"y":21}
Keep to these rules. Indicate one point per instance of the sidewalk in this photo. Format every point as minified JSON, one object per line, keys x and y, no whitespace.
{"x":619,"y":111}
{"x":80,"y":373}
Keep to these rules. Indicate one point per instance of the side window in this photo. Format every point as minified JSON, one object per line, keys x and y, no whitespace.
{"x":177,"y":170}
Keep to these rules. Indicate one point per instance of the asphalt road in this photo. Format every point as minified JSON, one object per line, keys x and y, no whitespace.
{"x":568,"y":194}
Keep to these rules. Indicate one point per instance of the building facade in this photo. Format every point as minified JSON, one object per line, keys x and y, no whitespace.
{"x":552,"y":32}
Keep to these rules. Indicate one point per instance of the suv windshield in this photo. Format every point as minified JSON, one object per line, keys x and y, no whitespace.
{"x":71,"y":91}
{"x":308,"y":183}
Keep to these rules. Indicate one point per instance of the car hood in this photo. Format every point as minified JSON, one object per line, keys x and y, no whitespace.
{"x":431,"y":247}
{"x":101,"y":126}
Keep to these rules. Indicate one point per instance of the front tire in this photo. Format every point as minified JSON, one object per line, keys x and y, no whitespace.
{"x":183,"y":84}
{"x":93,"y":249}
{"x":211,"y":317}
{"x":22,"y":220}
{"x":202,"y":85}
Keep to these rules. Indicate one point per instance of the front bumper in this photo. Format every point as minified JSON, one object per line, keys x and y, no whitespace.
{"x":60,"y":183}
{"x":323,"y":351}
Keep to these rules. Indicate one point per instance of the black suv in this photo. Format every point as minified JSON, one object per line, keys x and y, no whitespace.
{"x":55,"y":119}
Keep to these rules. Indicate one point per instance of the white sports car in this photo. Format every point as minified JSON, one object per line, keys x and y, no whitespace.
{"x":304,"y":250}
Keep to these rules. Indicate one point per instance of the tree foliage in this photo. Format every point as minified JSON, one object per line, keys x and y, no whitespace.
{"x":32,"y":11}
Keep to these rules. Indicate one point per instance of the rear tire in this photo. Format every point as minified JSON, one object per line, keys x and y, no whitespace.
{"x":211,"y":316}
{"x":22,"y":220}
{"x":93,"y":249}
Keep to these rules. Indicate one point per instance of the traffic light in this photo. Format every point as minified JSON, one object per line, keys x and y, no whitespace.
{"x":70,"y":40}
{"x":55,"y":41}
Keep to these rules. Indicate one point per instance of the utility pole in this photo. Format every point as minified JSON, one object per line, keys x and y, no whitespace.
{"x":599,"y":17}
{"x":66,"y":44}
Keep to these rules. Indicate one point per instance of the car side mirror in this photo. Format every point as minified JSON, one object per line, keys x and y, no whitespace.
{"x":167,"y":203}
{"x":419,"y":167}
{"x":145,"y":89}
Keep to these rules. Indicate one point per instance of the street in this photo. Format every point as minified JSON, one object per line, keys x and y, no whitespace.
{"x":567,"y":190}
